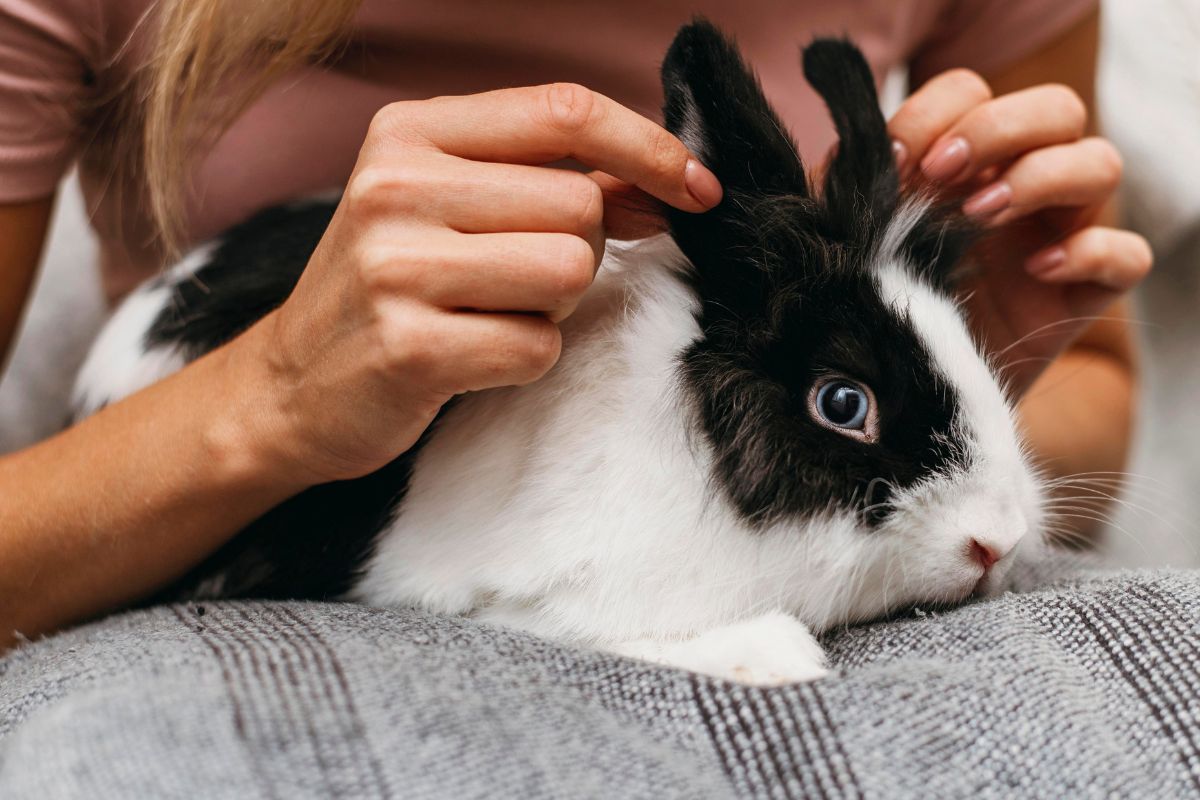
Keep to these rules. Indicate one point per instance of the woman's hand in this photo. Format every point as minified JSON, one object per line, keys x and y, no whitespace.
{"x":443,"y":270}
{"x":451,"y":258}
{"x":1026,"y":164}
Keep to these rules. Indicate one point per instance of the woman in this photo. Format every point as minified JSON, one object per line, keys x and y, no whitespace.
{"x":446,"y":208}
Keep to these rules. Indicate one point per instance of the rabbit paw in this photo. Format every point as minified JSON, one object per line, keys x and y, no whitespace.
{"x":770,"y":650}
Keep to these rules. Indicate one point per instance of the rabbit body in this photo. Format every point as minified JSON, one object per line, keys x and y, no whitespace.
{"x":673,"y":489}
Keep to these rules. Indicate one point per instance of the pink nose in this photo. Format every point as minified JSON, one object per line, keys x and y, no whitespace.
{"x":986,"y":555}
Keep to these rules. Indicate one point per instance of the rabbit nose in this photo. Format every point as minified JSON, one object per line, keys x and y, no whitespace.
{"x":985,"y":553}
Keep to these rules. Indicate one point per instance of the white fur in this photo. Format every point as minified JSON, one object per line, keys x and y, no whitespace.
{"x":997,"y":501}
{"x":769,"y":650}
{"x":118,"y":363}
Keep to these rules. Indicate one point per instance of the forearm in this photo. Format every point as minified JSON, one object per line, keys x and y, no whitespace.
{"x":22,"y":232}
{"x":1078,"y":415}
{"x":119,"y":505}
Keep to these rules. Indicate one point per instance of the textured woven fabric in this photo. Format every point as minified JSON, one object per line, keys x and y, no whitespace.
{"x":1088,"y":686}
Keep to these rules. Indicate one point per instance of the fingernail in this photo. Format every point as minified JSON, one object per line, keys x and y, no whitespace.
{"x":989,"y":200}
{"x":900,"y":153}
{"x":702,"y":184}
{"x":1043,"y":263}
{"x":947,"y":160}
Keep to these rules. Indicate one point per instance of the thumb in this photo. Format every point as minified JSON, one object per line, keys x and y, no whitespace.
{"x":629,"y":213}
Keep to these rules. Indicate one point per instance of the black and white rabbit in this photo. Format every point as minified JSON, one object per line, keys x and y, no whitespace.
{"x":771,"y":421}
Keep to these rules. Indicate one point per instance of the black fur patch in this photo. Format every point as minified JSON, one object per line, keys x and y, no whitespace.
{"x":313,"y":545}
{"x":250,"y":274}
{"x":787,"y":291}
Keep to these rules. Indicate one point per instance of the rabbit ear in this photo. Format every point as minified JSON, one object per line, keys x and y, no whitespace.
{"x":715,"y":105}
{"x":862,"y":185}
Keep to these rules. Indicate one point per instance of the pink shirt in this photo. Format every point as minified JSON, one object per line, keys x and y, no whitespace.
{"x":303,"y":135}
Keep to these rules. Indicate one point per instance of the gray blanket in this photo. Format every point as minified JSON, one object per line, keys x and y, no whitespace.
{"x":1088,"y":686}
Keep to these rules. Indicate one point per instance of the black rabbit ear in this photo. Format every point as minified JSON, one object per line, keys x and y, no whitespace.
{"x":862,"y":185}
{"x":715,"y":105}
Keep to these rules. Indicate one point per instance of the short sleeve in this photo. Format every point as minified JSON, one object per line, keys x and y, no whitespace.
{"x":46,"y":48}
{"x":988,"y":35}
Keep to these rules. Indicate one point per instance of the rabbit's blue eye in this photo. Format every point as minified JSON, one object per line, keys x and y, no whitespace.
{"x":845,"y":406}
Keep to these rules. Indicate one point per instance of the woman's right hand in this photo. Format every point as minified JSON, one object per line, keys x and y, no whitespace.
{"x":448,"y":263}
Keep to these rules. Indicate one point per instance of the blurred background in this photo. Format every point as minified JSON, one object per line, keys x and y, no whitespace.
{"x":1149,"y":98}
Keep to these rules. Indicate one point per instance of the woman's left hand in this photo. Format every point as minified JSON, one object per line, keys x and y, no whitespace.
{"x":1026,"y":164}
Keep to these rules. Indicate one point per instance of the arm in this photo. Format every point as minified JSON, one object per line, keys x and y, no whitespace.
{"x":106,"y":511}
{"x":1071,"y":437}
{"x":23,"y":230}
{"x":77,"y":507}
{"x":347,"y":373}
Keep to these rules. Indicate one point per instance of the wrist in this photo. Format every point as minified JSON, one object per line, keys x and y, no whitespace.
{"x":251,"y":436}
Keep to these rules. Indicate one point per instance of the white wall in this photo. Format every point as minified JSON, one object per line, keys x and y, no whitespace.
{"x":1149,"y":93}
{"x":66,"y":310}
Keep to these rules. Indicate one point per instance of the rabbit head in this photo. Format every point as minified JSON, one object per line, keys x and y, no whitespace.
{"x":835,"y":377}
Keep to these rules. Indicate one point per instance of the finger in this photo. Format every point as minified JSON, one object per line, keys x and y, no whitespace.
{"x":1081,"y":174}
{"x":540,"y":124}
{"x":932,"y":110}
{"x":480,"y":197}
{"x":476,"y":351}
{"x":543,"y":273}
{"x":483,"y":197}
{"x":629,"y":213}
{"x":1114,"y":259}
{"x":1003,"y":129}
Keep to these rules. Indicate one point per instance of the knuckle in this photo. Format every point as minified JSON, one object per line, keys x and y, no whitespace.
{"x":991,"y":117}
{"x":419,"y":356}
{"x":382,"y":120}
{"x":540,"y":349}
{"x":1109,"y":163}
{"x":1142,"y":256}
{"x":420,"y":346}
{"x":1092,"y":247}
{"x":1069,"y":103}
{"x":374,"y":189}
{"x":390,"y":121}
{"x":528,"y":354}
{"x":398,"y":342}
{"x":666,"y":155}
{"x":497,"y":366}
{"x":969,"y":83}
{"x":376,"y":267}
{"x":575,"y":268}
{"x":586,"y":203}
{"x":569,"y":106}
{"x":990,"y":123}
{"x":914,"y":119}
{"x":391,"y":268}
{"x":367,"y":188}
{"x":364,"y":189}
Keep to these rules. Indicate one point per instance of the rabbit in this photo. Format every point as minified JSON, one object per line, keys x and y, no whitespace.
{"x":766,"y":422}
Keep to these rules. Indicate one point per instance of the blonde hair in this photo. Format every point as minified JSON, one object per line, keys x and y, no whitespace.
{"x":208,"y":62}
